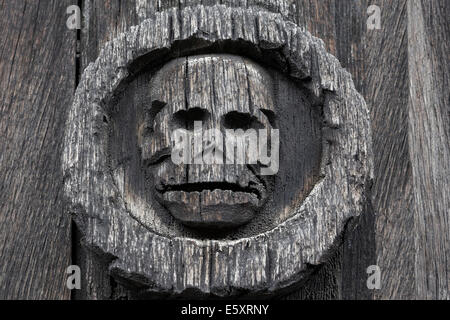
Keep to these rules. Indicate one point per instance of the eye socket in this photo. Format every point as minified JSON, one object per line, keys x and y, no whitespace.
{"x":185,"y":118}
{"x":239,"y":120}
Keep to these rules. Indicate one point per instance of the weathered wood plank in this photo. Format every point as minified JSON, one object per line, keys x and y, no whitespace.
{"x":378,"y":62}
{"x":37,"y":80}
{"x":410,"y":125}
{"x":429,"y":144}
{"x":385,"y":86}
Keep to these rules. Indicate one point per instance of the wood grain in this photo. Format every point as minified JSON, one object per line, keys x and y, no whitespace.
{"x":401,"y":70}
{"x":429,"y":143}
{"x":230,"y":257}
{"x":37,"y":80}
{"x":385,"y":83}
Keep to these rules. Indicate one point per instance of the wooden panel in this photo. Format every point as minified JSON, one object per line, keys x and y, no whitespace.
{"x":37,"y":79}
{"x":410,"y":131}
{"x":378,"y":62}
{"x":429,"y":130}
{"x":385,"y":76}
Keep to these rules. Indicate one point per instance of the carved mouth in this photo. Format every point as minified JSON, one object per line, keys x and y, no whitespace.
{"x":253,"y":189}
{"x":213,"y":204}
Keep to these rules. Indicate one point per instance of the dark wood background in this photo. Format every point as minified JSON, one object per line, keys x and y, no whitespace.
{"x":402,"y":70}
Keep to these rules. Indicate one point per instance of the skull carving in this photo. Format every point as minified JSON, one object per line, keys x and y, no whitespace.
{"x":150,"y":216}
{"x":203,"y":95}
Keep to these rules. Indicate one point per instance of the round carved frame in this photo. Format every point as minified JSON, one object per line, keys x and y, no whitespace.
{"x":262,"y":264}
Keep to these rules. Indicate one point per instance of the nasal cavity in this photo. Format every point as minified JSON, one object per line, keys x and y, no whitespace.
{"x":186,"y":118}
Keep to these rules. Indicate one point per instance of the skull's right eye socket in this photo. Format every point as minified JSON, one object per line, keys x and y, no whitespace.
{"x":185,"y":118}
{"x":239,"y":120}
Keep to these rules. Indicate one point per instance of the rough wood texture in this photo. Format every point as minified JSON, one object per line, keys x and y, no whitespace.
{"x":386,"y":87}
{"x":258,"y":264}
{"x":103,"y":21}
{"x":37,"y":80}
{"x":389,"y":73}
{"x":342,"y":26}
{"x":224,"y":91}
{"x":409,"y":124}
{"x":378,"y":62}
{"x":429,"y":142}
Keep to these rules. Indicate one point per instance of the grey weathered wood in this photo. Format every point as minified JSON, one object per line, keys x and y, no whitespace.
{"x":377,"y":60}
{"x":103,"y":22}
{"x":386,"y":77}
{"x":429,"y":144}
{"x":386,"y":87}
{"x":342,"y":26}
{"x":410,"y":141}
{"x":264,"y":263}
{"x":37,"y":80}
{"x":300,"y":130}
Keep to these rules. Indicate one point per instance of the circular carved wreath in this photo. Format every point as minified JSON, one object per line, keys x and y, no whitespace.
{"x":264,"y":263}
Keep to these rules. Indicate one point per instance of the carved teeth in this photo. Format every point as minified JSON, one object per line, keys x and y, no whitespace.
{"x":249,"y":187}
{"x":183,"y":202}
{"x":217,"y":197}
{"x":210,"y":198}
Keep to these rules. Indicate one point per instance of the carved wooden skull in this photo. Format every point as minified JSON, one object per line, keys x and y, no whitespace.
{"x":132,"y":202}
{"x":220,"y":92}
